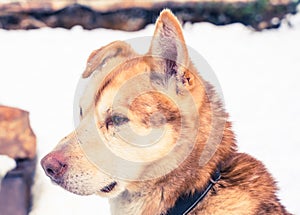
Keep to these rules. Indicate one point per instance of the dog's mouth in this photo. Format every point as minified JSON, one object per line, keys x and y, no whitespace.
{"x":109,"y":187}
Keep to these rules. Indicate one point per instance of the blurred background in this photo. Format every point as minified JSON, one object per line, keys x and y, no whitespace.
{"x":253,"y":47}
{"x":133,"y":15}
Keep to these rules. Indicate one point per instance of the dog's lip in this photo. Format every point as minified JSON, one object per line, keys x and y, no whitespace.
{"x":57,"y":182}
{"x":109,"y":187}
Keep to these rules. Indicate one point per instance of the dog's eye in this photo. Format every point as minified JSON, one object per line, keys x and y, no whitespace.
{"x":119,"y":120}
{"x":116,"y":120}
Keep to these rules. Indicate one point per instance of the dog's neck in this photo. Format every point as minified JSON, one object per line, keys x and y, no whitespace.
{"x":157,"y":196}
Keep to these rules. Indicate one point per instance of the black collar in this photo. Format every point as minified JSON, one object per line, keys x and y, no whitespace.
{"x":186,"y":204}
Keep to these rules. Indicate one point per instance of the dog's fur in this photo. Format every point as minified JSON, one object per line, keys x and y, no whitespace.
{"x":245,"y":186}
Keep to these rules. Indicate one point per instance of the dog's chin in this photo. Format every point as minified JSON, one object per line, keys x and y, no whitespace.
{"x":110,"y":190}
{"x":81,"y":191}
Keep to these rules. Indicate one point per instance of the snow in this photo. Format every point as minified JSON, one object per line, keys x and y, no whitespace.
{"x":259,"y":73}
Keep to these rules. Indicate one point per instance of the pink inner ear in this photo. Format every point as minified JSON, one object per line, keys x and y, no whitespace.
{"x":168,"y":41}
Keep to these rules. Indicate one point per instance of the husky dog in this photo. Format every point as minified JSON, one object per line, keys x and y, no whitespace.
{"x":154,"y":138}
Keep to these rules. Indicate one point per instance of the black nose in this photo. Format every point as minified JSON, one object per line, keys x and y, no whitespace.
{"x":54,"y":166}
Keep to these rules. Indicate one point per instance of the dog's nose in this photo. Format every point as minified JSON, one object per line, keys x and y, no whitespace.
{"x":54,"y":166}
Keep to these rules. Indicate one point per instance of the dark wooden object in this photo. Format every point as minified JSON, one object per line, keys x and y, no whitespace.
{"x":18,"y":141}
{"x":15,"y":192}
{"x":259,"y":14}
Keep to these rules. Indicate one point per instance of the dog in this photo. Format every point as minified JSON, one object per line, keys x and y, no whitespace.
{"x":154,"y":138}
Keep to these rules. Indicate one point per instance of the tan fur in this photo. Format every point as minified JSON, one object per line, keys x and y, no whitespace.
{"x":245,"y":186}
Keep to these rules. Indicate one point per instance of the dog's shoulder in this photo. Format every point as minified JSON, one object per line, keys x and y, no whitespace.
{"x":243,"y":168}
{"x":252,"y":184}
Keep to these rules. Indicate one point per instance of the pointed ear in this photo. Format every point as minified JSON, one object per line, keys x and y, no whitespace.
{"x":109,"y":54}
{"x":168,"y":41}
{"x":169,"y":45}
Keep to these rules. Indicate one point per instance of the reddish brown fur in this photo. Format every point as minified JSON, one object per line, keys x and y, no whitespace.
{"x":245,"y":186}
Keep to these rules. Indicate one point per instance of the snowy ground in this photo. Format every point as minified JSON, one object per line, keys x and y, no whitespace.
{"x":259,"y":74}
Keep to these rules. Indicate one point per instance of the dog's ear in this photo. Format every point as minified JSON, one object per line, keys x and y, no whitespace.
{"x":109,"y":54}
{"x":168,"y":44}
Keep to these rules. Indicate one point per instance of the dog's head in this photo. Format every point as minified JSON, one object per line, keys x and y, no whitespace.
{"x":134,"y":112}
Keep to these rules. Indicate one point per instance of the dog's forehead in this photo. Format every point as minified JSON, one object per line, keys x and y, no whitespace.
{"x":121,"y":84}
{"x":101,"y":69}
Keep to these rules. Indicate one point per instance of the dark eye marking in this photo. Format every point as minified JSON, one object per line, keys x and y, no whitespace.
{"x":80,"y":112}
{"x":116,"y":120}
